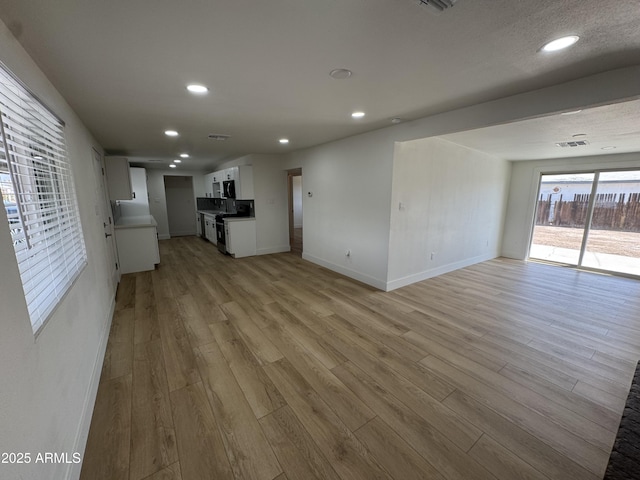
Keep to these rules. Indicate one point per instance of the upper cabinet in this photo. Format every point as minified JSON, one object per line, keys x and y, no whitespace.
{"x":118,"y":178}
{"x":242,"y":177}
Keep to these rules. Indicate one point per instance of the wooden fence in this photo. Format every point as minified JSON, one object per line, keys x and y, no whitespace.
{"x":612,"y":211}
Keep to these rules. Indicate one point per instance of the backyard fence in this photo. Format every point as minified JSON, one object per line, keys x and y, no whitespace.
{"x":612,"y":211}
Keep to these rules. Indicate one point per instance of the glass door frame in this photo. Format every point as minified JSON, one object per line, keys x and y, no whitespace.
{"x":588,"y":219}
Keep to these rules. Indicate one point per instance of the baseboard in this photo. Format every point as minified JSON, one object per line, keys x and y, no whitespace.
{"x":434,"y":272}
{"x":361,"y":277}
{"x":269,"y":250}
{"x":73,"y":471}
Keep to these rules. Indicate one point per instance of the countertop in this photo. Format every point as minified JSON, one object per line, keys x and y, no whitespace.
{"x":136,"y":222}
{"x":240,"y":219}
{"x":211,"y":212}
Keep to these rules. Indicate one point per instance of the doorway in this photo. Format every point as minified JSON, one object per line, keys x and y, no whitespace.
{"x":181,"y":211}
{"x":295,"y":210}
{"x":589,"y":220}
{"x":103,"y":211}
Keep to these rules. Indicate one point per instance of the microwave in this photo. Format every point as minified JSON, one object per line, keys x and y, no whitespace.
{"x":228,"y":189}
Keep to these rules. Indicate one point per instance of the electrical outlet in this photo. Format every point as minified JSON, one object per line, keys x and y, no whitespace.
{"x":348,"y":253}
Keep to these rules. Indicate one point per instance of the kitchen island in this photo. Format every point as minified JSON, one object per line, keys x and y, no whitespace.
{"x":137,"y":243}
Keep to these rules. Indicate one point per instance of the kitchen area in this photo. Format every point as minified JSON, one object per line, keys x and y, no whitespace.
{"x":225,"y":215}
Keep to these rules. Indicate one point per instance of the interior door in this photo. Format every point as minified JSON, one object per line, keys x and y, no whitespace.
{"x":103,"y":210}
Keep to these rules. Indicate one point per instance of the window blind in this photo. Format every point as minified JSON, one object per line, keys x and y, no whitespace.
{"x":39,"y":198}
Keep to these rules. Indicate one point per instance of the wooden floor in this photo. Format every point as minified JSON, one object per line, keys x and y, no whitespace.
{"x":271,"y":367}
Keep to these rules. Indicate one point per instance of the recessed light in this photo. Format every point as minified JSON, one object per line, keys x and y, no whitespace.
{"x":199,"y":89}
{"x":610,"y":147}
{"x":560,"y":43}
{"x":177,"y":161}
{"x":184,"y":155}
{"x":572,"y":112}
{"x":172,"y":166}
{"x":171,"y":133}
{"x":578,"y":135}
{"x":340,"y":73}
{"x":396,"y":120}
{"x":357,"y":114}
{"x":284,"y":140}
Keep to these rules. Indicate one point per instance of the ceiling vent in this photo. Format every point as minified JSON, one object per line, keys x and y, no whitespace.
{"x":579,"y":143}
{"x":219,"y":137}
{"x":438,"y":5}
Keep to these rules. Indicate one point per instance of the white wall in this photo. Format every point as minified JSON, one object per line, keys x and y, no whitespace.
{"x":296,"y":187}
{"x":158,"y":198}
{"x":350,"y":183}
{"x":524,"y":186}
{"x":49,"y":382}
{"x":447,"y":200}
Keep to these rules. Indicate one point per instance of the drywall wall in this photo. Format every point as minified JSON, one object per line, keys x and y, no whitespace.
{"x":271,"y":201}
{"x":345,"y":203}
{"x":448,"y":202}
{"x":524,"y":187}
{"x":49,"y":383}
{"x":158,"y":197}
{"x":350,"y":179}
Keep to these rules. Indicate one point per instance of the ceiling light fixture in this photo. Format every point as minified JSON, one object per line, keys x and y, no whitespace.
{"x":284,"y":141}
{"x":578,"y":135}
{"x":357,"y":114}
{"x":572,"y":112}
{"x":198,"y":89}
{"x":184,"y":155}
{"x":560,"y":43}
{"x":610,"y":147}
{"x":171,"y":133}
{"x":172,"y":165}
{"x":177,"y":161}
{"x":396,"y":120}
{"x":340,"y":73}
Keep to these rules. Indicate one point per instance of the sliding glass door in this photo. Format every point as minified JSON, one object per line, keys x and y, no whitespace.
{"x":613,"y":241}
{"x":590,"y":220}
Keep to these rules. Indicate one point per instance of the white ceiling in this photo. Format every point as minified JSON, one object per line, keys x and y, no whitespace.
{"x":123,"y":65}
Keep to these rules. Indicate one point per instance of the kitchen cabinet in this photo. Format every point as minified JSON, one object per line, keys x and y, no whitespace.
{"x":137,"y":243}
{"x":241,"y":175}
{"x":240,"y":236}
{"x":208,"y":185}
{"x":118,"y":175}
{"x":139,"y":204}
{"x":244,"y":182}
{"x":210,"y":229}
{"x":199,"y":225}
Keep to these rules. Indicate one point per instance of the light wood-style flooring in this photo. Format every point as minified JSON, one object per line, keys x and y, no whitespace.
{"x":271,"y":367}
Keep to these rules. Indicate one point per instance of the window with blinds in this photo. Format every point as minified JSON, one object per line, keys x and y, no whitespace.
{"x":39,"y":199}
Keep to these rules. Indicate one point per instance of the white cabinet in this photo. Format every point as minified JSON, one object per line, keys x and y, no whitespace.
{"x":137,"y":243}
{"x":198,"y":225}
{"x":208,"y":185}
{"x":210,"y":229}
{"x":240,"y":236}
{"x":242,"y":176}
{"x":244,"y":182}
{"x":139,"y":204}
{"x":118,"y":178}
